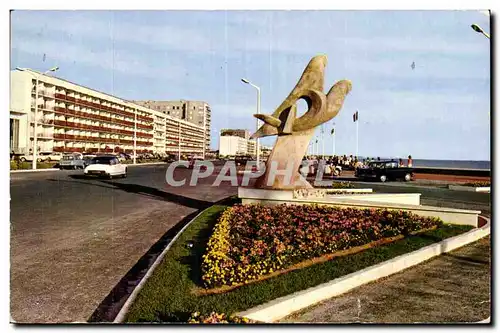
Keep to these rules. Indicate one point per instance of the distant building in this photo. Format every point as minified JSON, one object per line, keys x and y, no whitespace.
{"x":232,"y":145}
{"x":251,"y":147}
{"x":236,"y":135}
{"x":74,"y":118}
{"x":195,"y":112}
{"x":265,"y":150}
{"x":242,"y":133}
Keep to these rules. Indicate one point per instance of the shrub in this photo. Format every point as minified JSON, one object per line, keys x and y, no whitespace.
{"x":251,"y":241}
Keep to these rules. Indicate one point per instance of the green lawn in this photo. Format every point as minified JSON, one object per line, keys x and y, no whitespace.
{"x":167,"y":296}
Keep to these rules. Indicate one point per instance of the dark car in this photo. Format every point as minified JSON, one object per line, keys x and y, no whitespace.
{"x":170,"y":158}
{"x":241,"y":160}
{"x":383,"y":171}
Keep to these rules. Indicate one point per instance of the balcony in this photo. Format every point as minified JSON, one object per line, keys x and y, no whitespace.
{"x":48,"y":136}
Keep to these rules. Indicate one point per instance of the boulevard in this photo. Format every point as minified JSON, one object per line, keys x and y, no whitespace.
{"x":74,"y":239}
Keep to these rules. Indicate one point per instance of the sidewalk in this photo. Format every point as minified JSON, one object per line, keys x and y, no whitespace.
{"x":453,"y":288}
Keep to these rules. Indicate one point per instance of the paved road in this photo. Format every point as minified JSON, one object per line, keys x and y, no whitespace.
{"x":453,"y":288}
{"x":73,"y":239}
{"x":436,"y":196}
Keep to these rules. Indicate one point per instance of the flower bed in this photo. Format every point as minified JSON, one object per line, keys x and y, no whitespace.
{"x":334,"y":184}
{"x":478,"y":184}
{"x":217,"y":318}
{"x":251,"y":241}
{"x":342,"y":185}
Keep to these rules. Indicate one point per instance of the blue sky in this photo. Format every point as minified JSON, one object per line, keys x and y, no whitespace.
{"x":439,"y":110}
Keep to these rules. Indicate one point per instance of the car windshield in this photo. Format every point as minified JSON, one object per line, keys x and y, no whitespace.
{"x":102,"y":160}
{"x":68,"y":157}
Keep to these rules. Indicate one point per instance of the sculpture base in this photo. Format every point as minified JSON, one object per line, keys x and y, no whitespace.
{"x":323,"y":196}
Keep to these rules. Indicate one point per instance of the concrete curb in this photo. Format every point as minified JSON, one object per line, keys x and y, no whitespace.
{"x":485,"y":189}
{"x":284,"y":306}
{"x":31,"y":170}
{"x":120,"y":317}
{"x":142,"y":164}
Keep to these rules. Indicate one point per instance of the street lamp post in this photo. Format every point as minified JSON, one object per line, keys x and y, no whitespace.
{"x":135,"y":136}
{"x":477,"y":28}
{"x":257,"y":145}
{"x":35,"y":121}
{"x":204,"y":132}
{"x":179,"y":142}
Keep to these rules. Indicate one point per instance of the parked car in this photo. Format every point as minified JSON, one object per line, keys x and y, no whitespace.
{"x":193,"y":160}
{"x":72,"y":161}
{"x":29,"y":158}
{"x":383,"y":171}
{"x":54,"y":156}
{"x":170,"y":158}
{"x":242,"y":160}
{"x":106,"y":166}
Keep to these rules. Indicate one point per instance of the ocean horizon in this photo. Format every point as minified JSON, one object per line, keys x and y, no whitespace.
{"x":457,"y":164}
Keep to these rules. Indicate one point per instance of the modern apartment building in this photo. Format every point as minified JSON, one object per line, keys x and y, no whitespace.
{"x":74,"y":118}
{"x":195,"y":112}
{"x":251,"y":146}
{"x":232,"y":145}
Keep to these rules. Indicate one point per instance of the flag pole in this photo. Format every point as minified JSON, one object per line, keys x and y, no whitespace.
{"x":357,"y":133}
{"x":333,"y":135}
{"x":322,"y":142}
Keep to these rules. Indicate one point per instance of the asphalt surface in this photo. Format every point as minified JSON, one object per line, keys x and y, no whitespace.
{"x":452,"y":288}
{"x":73,"y":239}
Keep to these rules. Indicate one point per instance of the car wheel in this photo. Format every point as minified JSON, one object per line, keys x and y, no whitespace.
{"x":110,"y":176}
{"x":383,"y":178}
{"x":407,"y":177}
{"x":49,"y":160}
{"x":336,"y":172}
{"x":125,"y":174}
{"x":22,"y":159}
{"x":75,"y":167}
{"x":39,"y":160}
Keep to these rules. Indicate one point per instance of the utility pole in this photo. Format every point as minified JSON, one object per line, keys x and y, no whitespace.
{"x":135,"y":136}
{"x":204,"y":131}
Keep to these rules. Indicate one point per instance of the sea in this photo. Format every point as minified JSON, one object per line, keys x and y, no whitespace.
{"x":455,"y":164}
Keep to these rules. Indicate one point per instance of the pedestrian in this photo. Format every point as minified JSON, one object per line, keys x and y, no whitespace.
{"x":378,"y":158}
{"x":410,"y":161}
{"x":401,"y":164}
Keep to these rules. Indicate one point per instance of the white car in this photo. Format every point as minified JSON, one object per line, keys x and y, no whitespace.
{"x":55,"y":156}
{"x":29,"y":158}
{"x":105,"y":166}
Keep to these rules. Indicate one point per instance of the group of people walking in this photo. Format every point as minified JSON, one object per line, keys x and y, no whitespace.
{"x":352,"y":162}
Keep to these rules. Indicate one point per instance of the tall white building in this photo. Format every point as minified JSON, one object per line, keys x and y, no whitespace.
{"x":232,"y":145}
{"x":74,"y":118}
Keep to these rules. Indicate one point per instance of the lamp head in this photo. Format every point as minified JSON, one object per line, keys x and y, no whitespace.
{"x":476,"y":28}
